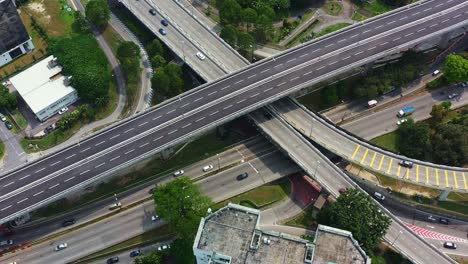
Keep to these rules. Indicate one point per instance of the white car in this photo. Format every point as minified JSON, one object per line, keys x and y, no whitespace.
{"x":401,"y":121}
{"x":453,"y":95}
{"x":379,"y":196}
{"x":2,"y":117}
{"x":201,"y":56}
{"x":61,"y":246}
{"x":179,"y":173}
{"x":207,"y":168}
{"x":63,"y":110}
{"x":164,"y":247}
{"x":154,"y":217}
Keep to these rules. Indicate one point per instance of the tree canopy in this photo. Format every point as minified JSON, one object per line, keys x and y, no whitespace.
{"x":414,"y":139}
{"x":450,"y":144}
{"x":230,"y":12}
{"x":98,"y":12}
{"x":7,"y":99}
{"x":83,"y":59}
{"x":128,"y":54}
{"x":155,"y":48}
{"x":455,"y":69}
{"x":151,"y":258}
{"x":357,"y":213}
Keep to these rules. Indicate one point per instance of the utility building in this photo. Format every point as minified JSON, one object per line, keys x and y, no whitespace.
{"x":14,"y":39}
{"x":44,"y":89}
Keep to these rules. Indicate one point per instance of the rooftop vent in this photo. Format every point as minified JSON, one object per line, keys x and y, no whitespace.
{"x":67,"y":81}
{"x":53,"y":62}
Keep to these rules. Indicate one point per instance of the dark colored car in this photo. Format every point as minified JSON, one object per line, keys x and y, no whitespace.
{"x":406,"y":163}
{"x":113,"y":260}
{"x":8,"y":125}
{"x":48,"y":129}
{"x":444,"y":221}
{"x":450,"y":245}
{"x":153,"y":12}
{"x":68,"y":222}
{"x":135,"y":253}
{"x":164,"y":22}
{"x":162,"y":31}
{"x":242,"y":176}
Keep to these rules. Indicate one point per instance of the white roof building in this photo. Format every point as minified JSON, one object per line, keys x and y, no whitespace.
{"x":44,"y":89}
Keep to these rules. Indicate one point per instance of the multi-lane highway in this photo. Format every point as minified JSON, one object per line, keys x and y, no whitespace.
{"x":222,"y":100}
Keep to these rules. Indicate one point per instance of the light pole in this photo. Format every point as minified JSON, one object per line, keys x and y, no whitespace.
{"x":311,"y":127}
{"x":183,"y":49}
{"x":316,"y":166}
{"x":399,"y":233}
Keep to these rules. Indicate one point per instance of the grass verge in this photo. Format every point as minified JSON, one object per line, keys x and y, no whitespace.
{"x":305,"y":219}
{"x":261,"y":197}
{"x":331,"y":29}
{"x":376,"y":7}
{"x":2,"y":150}
{"x":388,"y":141}
{"x":19,"y":118}
{"x":358,"y":16}
{"x":333,"y":8}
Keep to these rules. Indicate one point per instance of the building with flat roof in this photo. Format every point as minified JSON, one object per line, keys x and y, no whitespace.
{"x":231,"y":236}
{"x":14,"y":39}
{"x":44,"y":89}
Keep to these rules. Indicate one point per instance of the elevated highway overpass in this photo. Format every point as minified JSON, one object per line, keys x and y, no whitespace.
{"x":224,"y":99}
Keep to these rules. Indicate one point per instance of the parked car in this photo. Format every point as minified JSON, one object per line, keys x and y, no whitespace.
{"x":450,"y":245}
{"x":154,"y":217}
{"x":2,"y":117}
{"x":135,"y":253}
{"x":115,"y":206}
{"x":464,"y":84}
{"x":63,"y":110}
{"x":401,"y":121}
{"x":164,"y":22}
{"x":431,"y":218}
{"x":152,"y":11}
{"x":452,"y":95}
{"x":49,"y":129}
{"x":113,"y":260}
{"x":6,"y":242}
{"x":406,"y":163}
{"x":342,"y":190}
{"x":164,"y":247}
{"x":379,"y":196}
{"x":162,"y":31}
{"x":435,"y":73}
{"x":68,"y":222}
{"x":207,"y":168}
{"x":242,"y":176}
{"x":201,"y":56}
{"x":179,"y":173}
{"x":61,"y":246}
{"x":8,"y":125}
{"x":444,"y":221}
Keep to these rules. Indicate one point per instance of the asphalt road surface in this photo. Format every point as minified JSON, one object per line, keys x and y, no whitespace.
{"x":217,"y":102}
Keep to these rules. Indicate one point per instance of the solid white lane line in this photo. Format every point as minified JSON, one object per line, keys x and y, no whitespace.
{"x":345,"y":58}
{"x":170,"y":111}
{"x":42,"y":169}
{"x":295,"y":78}
{"x":114,"y":158}
{"x":69,"y":179}
{"x":83,"y":172}
{"x":55,"y":163}
{"x":409,"y":34}
{"x":4,"y":208}
{"x":319,"y":68}
{"x":264,"y":71}
{"x":225,"y":108}
{"x":252,"y":96}
{"x":357,"y":53}
{"x":156,"y":139}
{"x":173,"y":131}
{"x":396,"y":39}
{"x":142,"y":145}
{"x":212,"y":93}
{"x":25,"y":199}
{"x":187,"y":125}
{"x":278,"y":65}
{"x":53,"y":186}
{"x":240,"y":101}
{"x":142,"y":124}
{"x":303,"y":55}
{"x":307,"y":73}
{"x":199,"y":119}
{"x":97,"y":166}
{"x":329,"y":45}
{"x":100,"y":143}
{"x":268,"y":89}
{"x":38,"y":193}
{"x":24,"y":177}
{"x":8,"y":184}
{"x":291,"y":60}
{"x":198,"y":99}
{"x":251,"y":76}
{"x":214,"y":113}
{"x":281,"y":84}
{"x":72,"y":155}
{"x":225,"y":87}
{"x":86,"y":149}
{"x":156,"y":118}
{"x":115,"y":136}
{"x":128,"y":130}
{"x":239,"y":81}
{"x":184,"y":105}
{"x":253,"y":167}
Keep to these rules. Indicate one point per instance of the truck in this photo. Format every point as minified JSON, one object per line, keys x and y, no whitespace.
{"x":406,"y":111}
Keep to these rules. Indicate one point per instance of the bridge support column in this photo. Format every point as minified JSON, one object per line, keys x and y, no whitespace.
{"x":166,"y":153}
{"x":444,"y":40}
{"x":443,"y":195}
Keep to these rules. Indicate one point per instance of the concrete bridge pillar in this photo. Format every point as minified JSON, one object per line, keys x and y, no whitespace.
{"x":443,"y":195}
{"x":444,"y":40}
{"x":166,"y":153}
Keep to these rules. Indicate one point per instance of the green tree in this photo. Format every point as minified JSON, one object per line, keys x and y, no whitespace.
{"x":152,"y":258}
{"x":455,"y":69}
{"x":414,"y":139}
{"x":158,"y":61}
{"x":7,"y":99}
{"x":229,"y":12}
{"x":246,"y":41}
{"x":378,"y":260}
{"x":450,"y":144}
{"x":182,"y":251}
{"x":173,"y":70}
{"x":155,"y":48}
{"x":181,"y":204}
{"x":229,"y":34}
{"x":263,"y":28}
{"x":357,"y":213}
{"x":160,"y":82}
{"x":98,"y":12}
{"x":248,"y":16}
{"x":438,"y":113}
{"x":328,"y":95}
{"x":127,"y":49}
{"x":80,"y":25}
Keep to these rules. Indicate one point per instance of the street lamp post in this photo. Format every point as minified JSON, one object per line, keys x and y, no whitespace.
{"x":399,"y":233}
{"x":183,"y":49}
{"x":316,"y":166}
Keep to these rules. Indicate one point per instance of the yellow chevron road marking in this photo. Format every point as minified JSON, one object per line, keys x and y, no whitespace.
{"x":446,"y":179}
{"x":373,"y":159}
{"x":455,"y":179}
{"x":437,"y":177}
{"x":364,"y":157}
{"x":390,"y":166}
{"x":355,"y":151}
{"x":381,"y":162}
{"x":417,"y":173}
